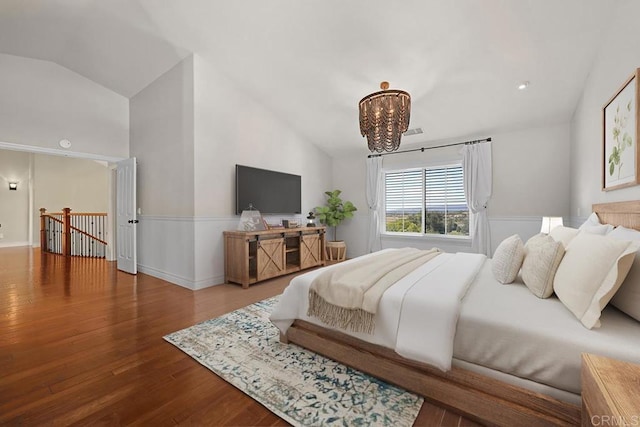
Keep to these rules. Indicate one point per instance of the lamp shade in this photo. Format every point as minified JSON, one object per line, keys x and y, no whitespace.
{"x":251,"y":220}
{"x":549,"y":223}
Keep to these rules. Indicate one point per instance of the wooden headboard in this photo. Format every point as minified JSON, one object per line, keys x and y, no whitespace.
{"x":626,"y":214}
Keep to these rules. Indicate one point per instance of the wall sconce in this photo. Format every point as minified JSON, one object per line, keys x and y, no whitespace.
{"x":549,"y":223}
{"x":13,"y":186}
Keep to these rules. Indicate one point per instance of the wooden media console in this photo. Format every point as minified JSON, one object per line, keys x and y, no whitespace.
{"x":253,"y":256}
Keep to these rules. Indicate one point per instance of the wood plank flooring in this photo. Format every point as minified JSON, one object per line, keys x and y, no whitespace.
{"x":81,"y":344}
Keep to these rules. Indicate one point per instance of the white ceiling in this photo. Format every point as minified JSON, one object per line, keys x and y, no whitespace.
{"x":311,"y":61}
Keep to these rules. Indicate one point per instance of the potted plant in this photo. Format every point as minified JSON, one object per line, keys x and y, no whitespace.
{"x":332,"y":214}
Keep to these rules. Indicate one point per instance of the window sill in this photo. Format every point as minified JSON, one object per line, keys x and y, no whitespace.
{"x":456,"y":240}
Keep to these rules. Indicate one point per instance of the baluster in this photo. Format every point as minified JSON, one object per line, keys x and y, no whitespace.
{"x":91,"y":221}
{"x":52,"y":235}
{"x":73,"y":235}
{"x":84,"y":240}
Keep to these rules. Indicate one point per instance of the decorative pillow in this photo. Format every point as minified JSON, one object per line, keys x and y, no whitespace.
{"x":592,"y":220}
{"x":507,"y":259}
{"x":627,"y":299}
{"x":564,"y":234}
{"x":590,"y":273}
{"x":541,"y":260}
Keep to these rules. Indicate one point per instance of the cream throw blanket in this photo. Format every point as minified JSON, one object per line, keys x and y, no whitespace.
{"x":347,"y":295}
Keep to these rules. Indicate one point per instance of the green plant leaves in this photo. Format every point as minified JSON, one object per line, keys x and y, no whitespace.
{"x":335,"y":211}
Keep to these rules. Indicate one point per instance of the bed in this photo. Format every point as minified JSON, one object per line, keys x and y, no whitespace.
{"x":510,"y":366}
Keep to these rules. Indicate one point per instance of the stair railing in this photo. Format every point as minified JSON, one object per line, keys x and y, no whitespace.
{"x":73,"y":234}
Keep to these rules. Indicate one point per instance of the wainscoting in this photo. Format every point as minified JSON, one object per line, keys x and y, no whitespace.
{"x":189,"y":251}
{"x":186,"y":251}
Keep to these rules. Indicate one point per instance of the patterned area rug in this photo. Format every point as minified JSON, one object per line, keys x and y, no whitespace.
{"x":302,"y":387}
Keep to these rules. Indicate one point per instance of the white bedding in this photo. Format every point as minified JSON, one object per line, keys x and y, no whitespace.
{"x":507,"y":328}
{"x":504,"y":328}
{"x":430,"y":295}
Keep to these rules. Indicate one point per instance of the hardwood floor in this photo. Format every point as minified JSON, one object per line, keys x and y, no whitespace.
{"x":81,"y":343}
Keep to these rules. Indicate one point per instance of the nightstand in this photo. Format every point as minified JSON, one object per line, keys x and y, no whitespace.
{"x":610,"y":392}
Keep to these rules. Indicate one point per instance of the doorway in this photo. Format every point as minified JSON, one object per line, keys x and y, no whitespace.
{"x":52,"y":177}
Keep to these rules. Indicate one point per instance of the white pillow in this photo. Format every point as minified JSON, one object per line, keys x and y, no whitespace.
{"x":590,"y":273}
{"x":623,"y":233}
{"x":592,"y":220}
{"x":564,"y":234}
{"x":507,"y":259}
{"x":541,"y":260}
{"x":627,"y":299}
{"x":601,"y":229}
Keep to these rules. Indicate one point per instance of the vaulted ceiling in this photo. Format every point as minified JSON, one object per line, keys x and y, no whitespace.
{"x":310,"y":62}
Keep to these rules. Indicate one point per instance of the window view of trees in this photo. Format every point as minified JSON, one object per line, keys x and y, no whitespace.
{"x":437,"y":191}
{"x":454,"y":223}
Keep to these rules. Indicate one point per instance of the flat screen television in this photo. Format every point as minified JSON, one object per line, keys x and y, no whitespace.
{"x":268,"y":191}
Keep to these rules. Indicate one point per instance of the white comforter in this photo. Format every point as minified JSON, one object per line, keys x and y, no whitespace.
{"x":417,"y":316}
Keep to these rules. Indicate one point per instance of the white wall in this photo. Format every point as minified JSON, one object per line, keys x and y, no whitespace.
{"x":42,"y":103}
{"x":233,"y":128}
{"x":62,"y":182}
{"x":162,"y":142}
{"x":161,"y":122}
{"x":530,"y":180}
{"x":14,"y":205}
{"x":188,"y":130}
{"x":618,"y":57}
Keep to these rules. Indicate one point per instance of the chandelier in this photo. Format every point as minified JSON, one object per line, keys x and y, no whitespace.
{"x":384,"y":117}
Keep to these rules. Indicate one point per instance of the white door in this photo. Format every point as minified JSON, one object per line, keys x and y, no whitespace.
{"x":126,"y":215}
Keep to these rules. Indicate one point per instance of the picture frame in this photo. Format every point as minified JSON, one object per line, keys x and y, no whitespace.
{"x":620,"y":136}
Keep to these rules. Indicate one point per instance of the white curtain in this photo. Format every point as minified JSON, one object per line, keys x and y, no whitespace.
{"x":476,"y":165}
{"x":374,"y":190}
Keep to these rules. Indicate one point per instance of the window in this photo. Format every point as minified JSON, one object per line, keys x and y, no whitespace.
{"x":427,"y":201}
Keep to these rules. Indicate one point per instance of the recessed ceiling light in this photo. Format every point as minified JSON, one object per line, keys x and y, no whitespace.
{"x":523,"y":85}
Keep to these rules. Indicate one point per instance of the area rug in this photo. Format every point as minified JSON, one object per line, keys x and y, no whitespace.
{"x":302,"y":387}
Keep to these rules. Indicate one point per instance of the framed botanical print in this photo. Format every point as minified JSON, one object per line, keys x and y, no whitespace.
{"x":620,"y":137}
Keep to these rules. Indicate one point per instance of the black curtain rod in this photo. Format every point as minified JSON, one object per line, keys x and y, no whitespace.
{"x":475,"y":141}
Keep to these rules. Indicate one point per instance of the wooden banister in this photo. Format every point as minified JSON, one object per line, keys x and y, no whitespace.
{"x":63,"y":233}
{"x":43,"y":232}
{"x":66,"y":230}
{"x":88,"y":235}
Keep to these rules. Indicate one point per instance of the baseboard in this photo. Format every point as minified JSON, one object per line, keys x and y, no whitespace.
{"x":13,"y":244}
{"x":207,"y":283}
{"x":194,"y":285}
{"x":172,"y":278}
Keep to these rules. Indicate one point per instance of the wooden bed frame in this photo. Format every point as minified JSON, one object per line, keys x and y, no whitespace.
{"x":481,"y":398}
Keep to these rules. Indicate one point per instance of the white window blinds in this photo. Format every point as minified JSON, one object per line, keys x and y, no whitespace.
{"x":426,"y":201}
